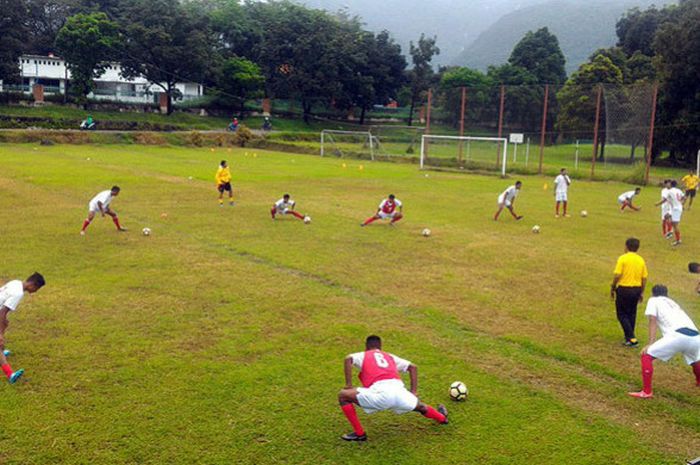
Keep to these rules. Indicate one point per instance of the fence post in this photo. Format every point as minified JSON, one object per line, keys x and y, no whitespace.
{"x":651,"y":132}
{"x":461,"y":123}
{"x":500,"y":123}
{"x":544,"y":125}
{"x":595,"y":129}
{"x":427,"y":118}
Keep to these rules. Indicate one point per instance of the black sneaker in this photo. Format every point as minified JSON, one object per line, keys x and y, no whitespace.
{"x":354,"y":437}
{"x":441,"y":408}
{"x":631,"y":343}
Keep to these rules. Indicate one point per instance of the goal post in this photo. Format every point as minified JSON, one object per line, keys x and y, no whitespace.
{"x":350,"y":142}
{"x":478,"y":149}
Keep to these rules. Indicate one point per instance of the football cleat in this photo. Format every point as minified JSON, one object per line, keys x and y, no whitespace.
{"x":669,"y":235}
{"x":641,"y":395}
{"x":354,"y":437}
{"x":6,"y":352}
{"x":631,"y":343}
{"x":441,"y":408}
{"x":15,"y":376}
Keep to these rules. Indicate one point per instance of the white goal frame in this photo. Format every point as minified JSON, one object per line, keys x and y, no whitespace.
{"x":502,"y":140}
{"x":367,"y":134}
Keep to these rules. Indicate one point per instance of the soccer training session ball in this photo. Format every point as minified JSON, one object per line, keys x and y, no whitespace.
{"x":307,"y":219}
{"x":536,"y":229}
{"x":146,"y":231}
{"x":584,"y":213}
{"x":426,"y":232}
{"x":458,"y":391}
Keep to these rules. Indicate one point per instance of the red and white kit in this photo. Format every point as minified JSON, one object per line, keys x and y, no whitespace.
{"x":383,"y":388}
{"x":387,"y":209}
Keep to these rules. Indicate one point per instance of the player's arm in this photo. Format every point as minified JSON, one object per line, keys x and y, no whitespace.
{"x":613,"y":286}
{"x":348,"y":372}
{"x":662,"y":201}
{"x":101,"y":207}
{"x":644,"y":285}
{"x":413,"y":373}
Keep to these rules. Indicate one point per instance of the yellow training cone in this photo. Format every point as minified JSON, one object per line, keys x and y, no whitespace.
{"x":545,"y":186}
{"x":344,"y":165}
{"x":362,"y":167}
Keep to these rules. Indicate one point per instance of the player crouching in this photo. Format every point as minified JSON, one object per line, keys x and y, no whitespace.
{"x":285,"y":206}
{"x":387,"y":210}
{"x":100,"y":203}
{"x":382,"y":388}
{"x":680,"y":335}
{"x":625,"y":200}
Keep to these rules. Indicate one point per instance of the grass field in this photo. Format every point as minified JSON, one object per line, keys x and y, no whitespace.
{"x":220,"y":338}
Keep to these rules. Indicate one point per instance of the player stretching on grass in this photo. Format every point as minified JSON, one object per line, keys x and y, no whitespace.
{"x":285,"y":206}
{"x":100,"y":203}
{"x":507,"y":199}
{"x":10,"y":296}
{"x":223,"y":183}
{"x":382,"y":388}
{"x":387,"y":209}
{"x":561,"y":191}
{"x":679,"y":335}
{"x":625,"y":200}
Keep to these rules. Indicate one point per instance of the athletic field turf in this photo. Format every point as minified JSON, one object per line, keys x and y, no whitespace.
{"x":220,"y":338}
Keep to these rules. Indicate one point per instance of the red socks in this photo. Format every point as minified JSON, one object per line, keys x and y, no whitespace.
{"x":648,"y":372}
{"x":351,"y":415}
{"x":116,"y":222}
{"x":434,"y":415}
{"x":678,"y":235}
{"x":7,"y":369}
{"x":297,"y":214}
{"x":557,"y":208}
{"x":86,"y":223}
{"x":272,"y":212}
{"x":564,"y":208}
{"x":397,"y":218}
{"x":370,"y":220}
{"x":696,"y":370}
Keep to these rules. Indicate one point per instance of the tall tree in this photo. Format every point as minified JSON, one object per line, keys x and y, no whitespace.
{"x":422,"y":76}
{"x":13,"y":33}
{"x":523,"y":95}
{"x":636,"y":29}
{"x":479,"y":86}
{"x":87,"y":42}
{"x":44,"y":19}
{"x":239,"y":80}
{"x":166,"y":42}
{"x":539,"y":53}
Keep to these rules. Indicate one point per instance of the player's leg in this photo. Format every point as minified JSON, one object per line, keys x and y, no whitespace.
{"x":439,"y":415}
{"x":220,"y":188}
{"x":347,"y":398}
{"x":12,"y":376}
{"x":273,"y":212}
{"x":691,"y":196}
{"x":498,"y":212}
{"x":676,"y":231}
{"x":230,"y":194}
{"x":622,"y":307}
{"x":565,"y":205}
{"x":512,"y":212}
{"x":370,"y":220}
{"x":115,"y":219}
{"x":396,"y":218}
{"x":296,"y":214}
{"x":696,"y":371}
{"x":647,"y":375}
{"x":88,"y":220}
{"x":556,"y":214}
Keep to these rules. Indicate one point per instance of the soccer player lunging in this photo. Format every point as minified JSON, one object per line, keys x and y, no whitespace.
{"x":285,"y":206}
{"x":507,"y":199}
{"x":223,"y":183}
{"x":679,"y":335}
{"x":625,"y":200}
{"x":382,"y":388}
{"x":387,"y":209}
{"x":100,"y":203}
{"x":11,"y":295}
{"x":561,"y":191}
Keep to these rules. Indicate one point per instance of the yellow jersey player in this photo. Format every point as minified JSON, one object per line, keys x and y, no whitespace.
{"x":223,"y":183}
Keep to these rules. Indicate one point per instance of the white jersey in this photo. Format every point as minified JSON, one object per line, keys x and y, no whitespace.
{"x":105,"y":197}
{"x":508,"y":195}
{"x":561,"y":184}
{"x":669,"y":315}
{"x":674,"y":197}
{"x":627,"y":196}
{"x":281,"y":205}
{"x":11,"y":294}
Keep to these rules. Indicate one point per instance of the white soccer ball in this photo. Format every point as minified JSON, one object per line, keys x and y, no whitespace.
{"x":536,"y":229}
{"x":426,"y":232}
{"x":458,"y":391}
{"x":584,"y":213}
{"x":307,"y":219}
{"x":146,"y":231}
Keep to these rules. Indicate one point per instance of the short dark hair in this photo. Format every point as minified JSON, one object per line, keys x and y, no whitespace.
{"x":637,"y":189}
{"x":659,"y":290}
{"x":674,"y":183}
{"x":392,"y":196}
{"x":518,"y":182}
{"x":223,"y":162}
{"x":373,"y":342}
{"x":115,"y":189}
{"x":285,"y":196}
{"x":632,"y":244}
{"x":694,"y":267}
{"x":562,"y":170}
{"x":37,"y":279}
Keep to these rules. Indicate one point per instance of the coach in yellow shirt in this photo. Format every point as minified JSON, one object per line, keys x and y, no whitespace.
{"x":690,"y":181}
{"x":627,"y":288}
{"x":223,"y":183}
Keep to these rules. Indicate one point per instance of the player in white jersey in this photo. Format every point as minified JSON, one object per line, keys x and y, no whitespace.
{"x":625,"y":200}
{"x":666,"y":227}
{"x":561,"y":191}
{"x":679,"y":336}
{"x":507,"y":199}
{"x":101,"y":204}
{"x":675,"y":197}
{"x":11,"y":295}
{"x":285,"y":206}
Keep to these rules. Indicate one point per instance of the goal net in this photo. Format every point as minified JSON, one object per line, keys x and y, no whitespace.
{"x":397,"y":141}
{"x":472,"y":152}
{"x":358,"y":144}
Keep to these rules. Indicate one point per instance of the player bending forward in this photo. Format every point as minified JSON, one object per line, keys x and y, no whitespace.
{"x":679,"y":336}
{"x":285,"y":206}
{"x":561,"y":191}
{"x":387,"y":209}
{"x":10,"y":296}
{"x":625,"y":200}
{"x":382,"y":388}
{"x":100,"y":203}
{"x":223,"y":183}
{"x":507,"y":199}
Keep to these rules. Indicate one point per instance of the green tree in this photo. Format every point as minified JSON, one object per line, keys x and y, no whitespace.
{"x":422,"y":76}
{"x":239,"y":80}
{"x":539,"y":53}
{"x":478,"y":90}
{"x":166,"y":42}
{"x":523,"y":96}
{"x":43,"y":20}
{"x":13,"y":33}
{"x":636,"y":29}
{"x":87,"y":42}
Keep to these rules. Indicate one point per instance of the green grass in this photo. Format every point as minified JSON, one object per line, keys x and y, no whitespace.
{"x":220,"y":338}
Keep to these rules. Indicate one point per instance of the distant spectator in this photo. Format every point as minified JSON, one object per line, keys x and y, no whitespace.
{"x":88,"y":124}
{"x":267,"y":124}
{"x":627,"y":288}
{"x":233,"y":125}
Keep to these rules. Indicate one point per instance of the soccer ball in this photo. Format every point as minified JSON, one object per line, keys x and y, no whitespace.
{"x":307,"y":219}
{"x":536,"y":229}
{"x":146,"y":231}
{"x":458,"y":391}
{"x":426,"y":232}
{"x":584,"y":213}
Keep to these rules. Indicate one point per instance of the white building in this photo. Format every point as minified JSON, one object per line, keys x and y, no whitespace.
{"x":52,"y":73}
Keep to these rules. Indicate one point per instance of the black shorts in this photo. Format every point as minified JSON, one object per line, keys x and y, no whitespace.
{"x":690,"y":192}
{"x":224,"y":187}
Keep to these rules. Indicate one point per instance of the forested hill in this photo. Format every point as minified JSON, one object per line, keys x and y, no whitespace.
{"x":581,"y":27}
